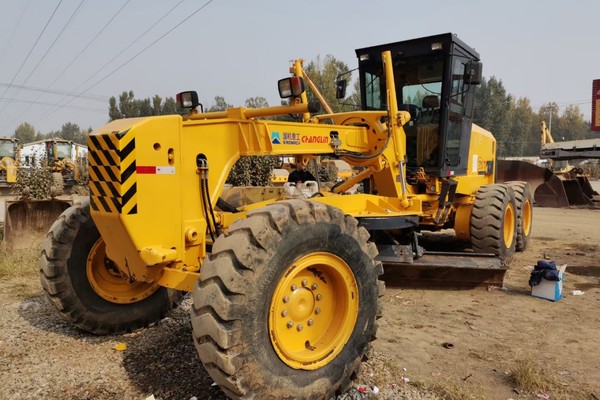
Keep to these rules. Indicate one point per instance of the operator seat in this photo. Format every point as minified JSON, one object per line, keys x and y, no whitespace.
{"x":430,"y":110}
{"x":428,"y":134}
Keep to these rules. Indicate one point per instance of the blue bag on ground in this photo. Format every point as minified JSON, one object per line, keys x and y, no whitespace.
{"x":544,"y":269}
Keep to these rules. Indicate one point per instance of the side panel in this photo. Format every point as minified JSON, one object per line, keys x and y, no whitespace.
{"x":131,"y":160}
{"x":481,"y":162}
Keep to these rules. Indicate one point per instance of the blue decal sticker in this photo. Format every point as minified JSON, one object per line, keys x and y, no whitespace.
{"x":275,"y":138}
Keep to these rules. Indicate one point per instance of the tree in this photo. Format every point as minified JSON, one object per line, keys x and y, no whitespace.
{"x":25,"y":133}
{"x":249,"y":170}
{"x":256,"y":102}
{"x":571,"y":125}
{"x":170,"y":107}
{"x":493,"y":111}
{"x":220,"y":104}
{"x":324,"y":74}
{"x":130,"y":107}
{"x":71,"y":131}
{"x":113,"y":110}
{"x":523,"y":119}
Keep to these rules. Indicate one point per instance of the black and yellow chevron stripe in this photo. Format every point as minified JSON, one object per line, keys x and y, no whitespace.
{"x":112,"y":169}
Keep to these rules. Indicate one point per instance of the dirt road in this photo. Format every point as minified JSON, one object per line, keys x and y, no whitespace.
{"x":491,"y":332}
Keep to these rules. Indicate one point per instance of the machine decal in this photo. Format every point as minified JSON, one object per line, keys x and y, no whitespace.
{"x":113,"y":173}
{"x":155,"y":170}
{"x":315,"y":139}
{"x":291,"y":138}
{"x":275,"y":138}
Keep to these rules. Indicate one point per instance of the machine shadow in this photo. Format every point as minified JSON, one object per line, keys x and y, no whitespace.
{"x":155,"y":353}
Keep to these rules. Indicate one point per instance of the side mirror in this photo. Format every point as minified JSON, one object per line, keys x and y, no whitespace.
{"x":473,"y":73}
{"x":340,"y":89}
{"x":187,"y":99}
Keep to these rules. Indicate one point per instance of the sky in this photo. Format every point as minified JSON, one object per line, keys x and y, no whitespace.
{"x":61,"y":60}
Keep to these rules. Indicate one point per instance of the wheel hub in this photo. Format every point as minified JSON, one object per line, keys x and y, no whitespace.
{"x":109,"y":283}
{"x":509,"y":225}
{"x":313,"y":311}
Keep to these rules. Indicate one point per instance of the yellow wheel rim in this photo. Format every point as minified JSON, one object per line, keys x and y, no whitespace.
{"x":107,"y":281}
{"x":313,"y":311}
{"x":527,"y":217}
{"x":509,"y":225}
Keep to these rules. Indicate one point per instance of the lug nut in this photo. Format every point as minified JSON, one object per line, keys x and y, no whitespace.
{"x":294,"y":287}
{"x":284,"y":313}
{"x":290,"y":324}
{"x":300,"y":327}
{"x":310,"y":322}
{"x":286,"y":299}
{"x":314,"y":286}
{"x":318,"y":310}
{"x":319,"y":297}
{"x":304,"y":282}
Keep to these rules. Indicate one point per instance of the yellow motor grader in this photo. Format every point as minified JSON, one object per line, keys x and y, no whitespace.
{"x":286,"y":290}
{"x":9,"y":156}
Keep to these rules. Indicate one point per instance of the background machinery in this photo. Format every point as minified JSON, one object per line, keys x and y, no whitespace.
{"x":46,"y":169}
{"x":553,"y":186}
{"x":9,"y":156}
{"x":286,"y":290}
{"x":61,"y":156}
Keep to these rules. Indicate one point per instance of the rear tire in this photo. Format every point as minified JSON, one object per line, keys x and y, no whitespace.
{"x":256,"y":325}
{"x":72,"y":250}
{"x":494,"y":221}
{"x":58,"y":184}
{"x":524,"y":201}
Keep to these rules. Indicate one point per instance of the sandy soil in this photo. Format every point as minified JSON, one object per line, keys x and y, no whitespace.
{"x":491,"y":332}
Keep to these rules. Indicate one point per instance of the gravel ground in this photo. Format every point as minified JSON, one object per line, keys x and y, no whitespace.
{"x":43,"y":357}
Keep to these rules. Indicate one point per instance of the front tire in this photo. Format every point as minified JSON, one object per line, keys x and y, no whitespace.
{"x":87,"y":288}
{"x":287,"y":302}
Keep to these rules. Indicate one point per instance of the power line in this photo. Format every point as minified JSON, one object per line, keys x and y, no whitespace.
{"x":565,"y":103}
{"x":12,"y":36}
{"x":90,"y":42}
{"x":62,"y":103}
{"x":80,"y":53}
{"x":94,"y":97}
{"x":55,"y":40}
{"x":46,"y":53}
{"x":29,"y":54}
{"x":128,"y":46}
{"x":73,"y":93}
{"x":103,"y":109}
{"x":150,"y":45}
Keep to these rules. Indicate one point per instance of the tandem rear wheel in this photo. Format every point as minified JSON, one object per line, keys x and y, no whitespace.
{"x":493,"y":224}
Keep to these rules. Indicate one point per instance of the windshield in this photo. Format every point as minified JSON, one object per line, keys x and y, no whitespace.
{"x":418,"y":81}
{"x":63,"y":150}
{"x":7,"y":149}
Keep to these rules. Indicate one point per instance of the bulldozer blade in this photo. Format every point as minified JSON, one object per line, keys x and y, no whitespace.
{"x":587,"y":189}
{"x":575,"y":193}
{"x":547,"y":188}
{"x":551,"y":193}
{"x":27,"y":221}
{"x":444,"y":270}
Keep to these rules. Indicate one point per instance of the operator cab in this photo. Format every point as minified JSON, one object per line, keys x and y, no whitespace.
{"x":435,"y":79}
